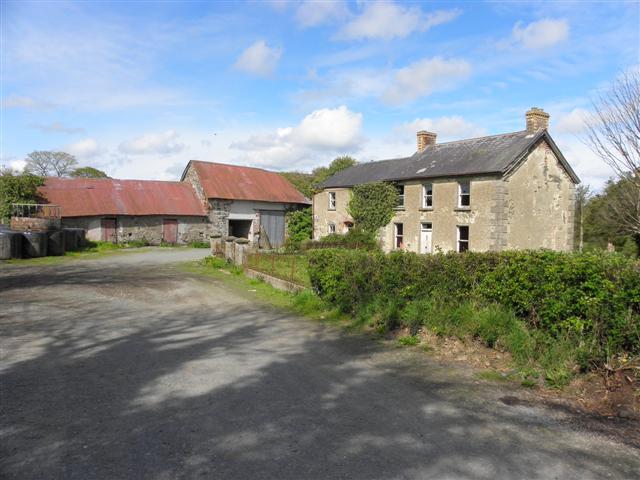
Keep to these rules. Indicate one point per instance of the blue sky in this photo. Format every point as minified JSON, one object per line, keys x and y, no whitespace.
{"x":138,"y":89}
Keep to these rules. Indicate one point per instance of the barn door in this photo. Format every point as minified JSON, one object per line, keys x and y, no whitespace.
{"x":169,"y":231}
{"x":272,"y":224}
{"x":108,"y":227}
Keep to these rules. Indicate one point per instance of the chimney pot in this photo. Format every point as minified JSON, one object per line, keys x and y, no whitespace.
{"x":425,"y":139}
{"x":537,"y":119}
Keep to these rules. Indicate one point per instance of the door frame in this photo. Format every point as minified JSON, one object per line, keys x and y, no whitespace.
{"x":430,"y":231}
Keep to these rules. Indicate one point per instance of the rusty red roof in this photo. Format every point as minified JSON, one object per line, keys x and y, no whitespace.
{"x":233,"y":182}
{"x":84,"y":197}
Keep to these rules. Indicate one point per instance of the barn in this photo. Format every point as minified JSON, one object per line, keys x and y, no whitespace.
{"x":126,"y":210}
{"x":244,"y":201}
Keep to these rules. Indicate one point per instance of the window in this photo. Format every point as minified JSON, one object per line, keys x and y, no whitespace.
{"x":332,"y":228}
{"x":400,"y":189}
{"x":332,"y":200}
{"x":399,"y":231}
{"x":348,"y":226}
{"x":464,"y":194}
{"x":463,"y":238}
{"x":427,"y":195}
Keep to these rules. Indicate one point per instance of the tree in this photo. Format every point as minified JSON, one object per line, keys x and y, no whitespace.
{"x":15,"y":188}
{"x":307,"y":183}
{"x":299,"y":227}
{"x":50,"y":164}
{"x":583,"y":194}
{"x":613,"y":133}
{"x":372,"y":205}
{"x":88,"y":172}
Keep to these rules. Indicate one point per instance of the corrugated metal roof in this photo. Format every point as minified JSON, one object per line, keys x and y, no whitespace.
{"x":80,"y":197}
{"x":232,"y":182}
{"x":495,"y":154}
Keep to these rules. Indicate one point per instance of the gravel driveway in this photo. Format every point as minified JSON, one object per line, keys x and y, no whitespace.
{"x":127,"y":367}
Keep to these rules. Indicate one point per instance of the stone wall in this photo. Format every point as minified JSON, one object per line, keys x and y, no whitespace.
{"x":22,"y":224}
{"x":149,"y":228}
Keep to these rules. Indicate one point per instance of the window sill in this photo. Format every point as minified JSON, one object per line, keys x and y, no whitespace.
{"x":399,"y":209}
{"x":462,"y":209}
{"x":331,"y":209}
{"x":426,"y":209}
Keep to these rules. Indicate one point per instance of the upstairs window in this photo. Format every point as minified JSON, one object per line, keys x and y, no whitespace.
{"x":332,"y":200}
{"x":463,"y":238}
{"x":427,"y":195}
{"x":400,"y":189}
{"x":399,"y":235}
{"x":464,"y":194}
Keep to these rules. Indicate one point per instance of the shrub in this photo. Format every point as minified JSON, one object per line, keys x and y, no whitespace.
{"x":353,"y":239}
{"x":299,"y":228}
{"x":372,"y":204}
{"x":555,"y":308}
{"x":196,"y":244}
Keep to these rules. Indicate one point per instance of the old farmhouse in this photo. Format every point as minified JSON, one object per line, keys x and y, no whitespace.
{"x":212,"y":198}
{"x":509,"y":191}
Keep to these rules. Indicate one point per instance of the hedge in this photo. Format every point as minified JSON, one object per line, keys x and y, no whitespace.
{"x":594,"y":297}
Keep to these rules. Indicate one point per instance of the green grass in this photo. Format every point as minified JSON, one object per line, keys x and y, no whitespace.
{"x":409,"y":341}
{"x":493,"y":376}
{"x":293,"y":268}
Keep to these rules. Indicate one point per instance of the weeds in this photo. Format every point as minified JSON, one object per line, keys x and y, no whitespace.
{"x":409,"y":341}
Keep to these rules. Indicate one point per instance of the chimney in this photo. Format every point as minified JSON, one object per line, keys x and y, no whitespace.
{"x":425,"y":139}
{"x":537,"y":119}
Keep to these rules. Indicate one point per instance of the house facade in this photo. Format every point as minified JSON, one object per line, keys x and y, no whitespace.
{"x":244,"y":201}
{"x":501,"y":192}
{"x":114,"y":210}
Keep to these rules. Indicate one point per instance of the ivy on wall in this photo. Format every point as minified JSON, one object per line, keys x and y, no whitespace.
{"x":372,"y":205}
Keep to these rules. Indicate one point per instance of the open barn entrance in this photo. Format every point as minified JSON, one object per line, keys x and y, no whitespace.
{"x":239,"y":228}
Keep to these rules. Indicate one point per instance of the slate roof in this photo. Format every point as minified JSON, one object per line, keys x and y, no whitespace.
{"x":233,"y":182}
{"x":86,"y":197}
{"x":496,"y":154}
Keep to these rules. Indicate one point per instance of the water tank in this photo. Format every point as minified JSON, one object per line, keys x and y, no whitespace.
{"x":55,"y":243}
{"x":10,"y":244}
{"x":34,"y":244}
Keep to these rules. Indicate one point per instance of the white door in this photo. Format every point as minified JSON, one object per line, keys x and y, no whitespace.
{"x":426,"y":233}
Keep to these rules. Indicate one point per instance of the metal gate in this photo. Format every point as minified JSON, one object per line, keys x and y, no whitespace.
{"x":272,"y":224}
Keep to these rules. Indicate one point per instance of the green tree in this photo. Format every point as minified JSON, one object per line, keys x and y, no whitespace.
{"x":16,"y":188}
{"x":50,"y":164}
{"x":307,"y":183}
{"x":299,"y":227}
{"x":88,"y":172}
{"x":372,"y":205}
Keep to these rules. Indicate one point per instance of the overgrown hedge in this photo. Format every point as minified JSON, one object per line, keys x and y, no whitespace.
{"x":592,"y":298}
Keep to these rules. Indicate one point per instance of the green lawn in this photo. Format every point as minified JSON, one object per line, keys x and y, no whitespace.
{"x":285,"y":266}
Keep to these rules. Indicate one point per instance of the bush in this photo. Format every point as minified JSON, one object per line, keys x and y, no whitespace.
{"x":532,"y":303}
{"x":353,"y":239}
{"x":299,"y":228}
{"x":199,"y":244}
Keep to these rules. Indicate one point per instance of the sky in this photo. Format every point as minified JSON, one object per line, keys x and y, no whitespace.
{"x":139,"y":89}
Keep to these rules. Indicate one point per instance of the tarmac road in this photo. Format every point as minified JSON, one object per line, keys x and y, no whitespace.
{"x":127,"y":367}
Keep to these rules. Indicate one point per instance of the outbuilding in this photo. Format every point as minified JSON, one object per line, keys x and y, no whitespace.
{"x":244,"y":201}
{"x":114,"y":210}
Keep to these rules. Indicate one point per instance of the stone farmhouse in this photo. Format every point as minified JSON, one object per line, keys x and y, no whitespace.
{"x":212,"y":198}
{"x":500,"y":192}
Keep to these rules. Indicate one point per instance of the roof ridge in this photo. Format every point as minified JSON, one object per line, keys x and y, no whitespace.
{"x":479,"y":138}
{"x":235,"y":166}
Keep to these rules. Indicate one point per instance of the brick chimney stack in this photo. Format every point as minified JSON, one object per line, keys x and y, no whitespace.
{"x":425,"y":139}
{"x":537,"y":119}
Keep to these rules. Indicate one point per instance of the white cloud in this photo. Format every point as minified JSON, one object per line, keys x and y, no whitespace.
{"x":87,"y":148}
{"x":56,"y":127}
{"x":541,"y":34}
{"x":387,"y":20}
{"x":259,"y":59}
{"x":319,"y":135}
{"x":572,"y":122}
{"x":311,"y":13}
{"x":424,"y":77}
{"x":18,"y":165}
{"x":159,"y":143}
{"x":448,"y":128}
{"x":19,"y":101}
